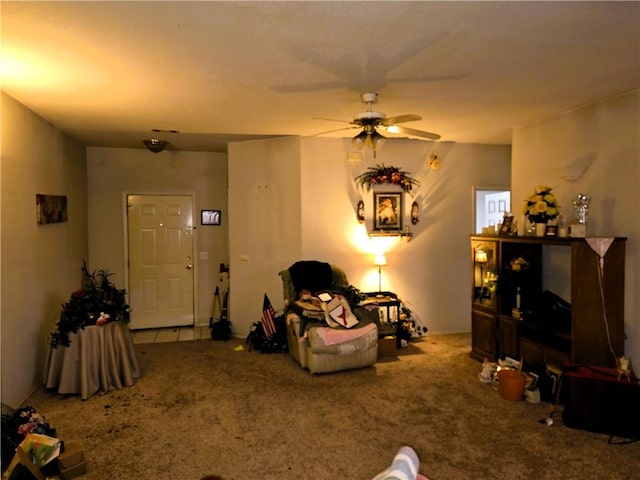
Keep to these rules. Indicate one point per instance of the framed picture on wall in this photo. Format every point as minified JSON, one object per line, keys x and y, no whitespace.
{"x":51,"y":209}
{"x":210,"y":217}
{"x":388,"y":210}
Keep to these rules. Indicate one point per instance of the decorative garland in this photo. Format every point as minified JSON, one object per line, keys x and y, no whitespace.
{"x":381,"y":174}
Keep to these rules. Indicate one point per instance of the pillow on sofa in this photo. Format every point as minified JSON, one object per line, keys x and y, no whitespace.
{"x":311,"y":275}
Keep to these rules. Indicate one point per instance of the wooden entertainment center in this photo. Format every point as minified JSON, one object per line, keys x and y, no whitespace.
{"x":545,"y":301}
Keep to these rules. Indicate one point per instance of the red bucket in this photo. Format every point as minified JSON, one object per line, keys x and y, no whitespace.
{"x":511,"y":384}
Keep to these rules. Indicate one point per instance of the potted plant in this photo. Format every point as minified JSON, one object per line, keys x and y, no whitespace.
{"x":97,"y":302}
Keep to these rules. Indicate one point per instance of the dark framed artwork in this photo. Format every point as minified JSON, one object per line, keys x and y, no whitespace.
{"x":507,"y":225}
{"x":388,"y":210}
{"x":51,"y":209}
{"x":551,"y":231}
{"x":210,"y":217}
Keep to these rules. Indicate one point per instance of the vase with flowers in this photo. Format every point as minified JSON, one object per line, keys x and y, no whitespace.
{"x":540,"y":208}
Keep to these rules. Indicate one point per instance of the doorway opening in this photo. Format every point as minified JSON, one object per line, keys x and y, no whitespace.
{"x":490,"y":205}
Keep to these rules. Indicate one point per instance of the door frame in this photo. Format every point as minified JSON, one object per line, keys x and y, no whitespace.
{"x":476,"y":190}
{"x":125,"y":246}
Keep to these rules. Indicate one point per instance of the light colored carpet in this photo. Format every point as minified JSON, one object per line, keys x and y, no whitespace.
{"x":202,"y":408}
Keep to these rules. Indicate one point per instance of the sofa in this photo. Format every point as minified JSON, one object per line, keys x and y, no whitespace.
{"x":317,"y":343}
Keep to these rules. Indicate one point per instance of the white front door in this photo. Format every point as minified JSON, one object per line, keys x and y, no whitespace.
{"x":160,"y":232}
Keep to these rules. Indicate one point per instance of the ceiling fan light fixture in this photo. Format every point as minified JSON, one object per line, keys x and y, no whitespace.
{"x":155,"y":145}
{"x":360,"y":140}
{"x":377,"y":140}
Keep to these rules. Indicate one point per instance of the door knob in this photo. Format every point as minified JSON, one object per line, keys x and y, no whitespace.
{"x":189,"y":267}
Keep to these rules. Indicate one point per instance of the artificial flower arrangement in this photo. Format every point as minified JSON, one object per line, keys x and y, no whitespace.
{"x":518,"y":264}
{"x":97,"y":302}
{"x":381,"y":174}
{"x":541,"y":206}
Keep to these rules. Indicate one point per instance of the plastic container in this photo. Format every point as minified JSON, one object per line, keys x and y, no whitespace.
{"x":511,"y":384}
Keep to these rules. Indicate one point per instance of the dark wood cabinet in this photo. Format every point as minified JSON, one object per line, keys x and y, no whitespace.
{"x":508,"y":337}
{"x":483,"y":334}
{"x":547,"y":300}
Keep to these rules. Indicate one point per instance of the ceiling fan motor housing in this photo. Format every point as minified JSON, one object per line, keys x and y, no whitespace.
{"x":368,"y":118}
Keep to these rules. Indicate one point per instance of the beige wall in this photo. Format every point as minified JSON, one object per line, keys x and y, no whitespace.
{"x":264,"y":224}
{"x":605,"y":138}
{"x":114,"y":172}
{"x":40,"y":264}
{"x":293,"y":199}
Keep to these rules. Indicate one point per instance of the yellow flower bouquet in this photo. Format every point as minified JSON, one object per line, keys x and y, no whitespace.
{"x":541,"y":206}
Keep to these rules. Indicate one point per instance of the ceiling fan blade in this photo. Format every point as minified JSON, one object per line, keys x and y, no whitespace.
{"x":331,"y":119}
{"x":418,"y":133}
{"x":400,"y":119}
{"x":332,"y":131}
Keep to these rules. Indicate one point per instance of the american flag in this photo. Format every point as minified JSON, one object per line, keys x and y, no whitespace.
{"x":268,"y":315}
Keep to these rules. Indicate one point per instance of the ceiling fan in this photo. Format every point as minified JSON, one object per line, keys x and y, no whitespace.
{"x":371,"y":120}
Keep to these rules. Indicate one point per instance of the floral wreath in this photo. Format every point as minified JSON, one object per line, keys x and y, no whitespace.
{"x":381,"y":174}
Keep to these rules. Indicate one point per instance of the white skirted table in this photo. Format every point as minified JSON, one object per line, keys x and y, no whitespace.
{"x":99,"y":359}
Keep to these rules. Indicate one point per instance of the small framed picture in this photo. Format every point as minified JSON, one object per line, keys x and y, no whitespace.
{"x":492,"y":206}
{"x":502,"y":206}
{"x":210,"y":217}
{"x":507,"y":224}
{"x":551,"y":231}
{"x":388,"y":210}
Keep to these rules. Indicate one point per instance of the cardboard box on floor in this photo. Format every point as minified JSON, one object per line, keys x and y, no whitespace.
{"x":387,"y":346}
{"x":71,"y":462}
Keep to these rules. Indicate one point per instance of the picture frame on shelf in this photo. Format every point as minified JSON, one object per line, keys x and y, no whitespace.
{"x":551,"y":231}
{"x":211,"y":217}
{"x":388,"y":208}
{"x":506,"y":226}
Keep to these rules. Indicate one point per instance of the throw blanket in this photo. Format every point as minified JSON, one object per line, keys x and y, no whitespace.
{"x":310,"y":275}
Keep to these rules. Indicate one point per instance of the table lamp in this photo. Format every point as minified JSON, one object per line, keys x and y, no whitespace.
{"x":481,"y":258}
{"x":380,"y":261}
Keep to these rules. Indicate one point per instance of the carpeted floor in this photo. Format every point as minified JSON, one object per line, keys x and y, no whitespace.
{"x":202,"y":408}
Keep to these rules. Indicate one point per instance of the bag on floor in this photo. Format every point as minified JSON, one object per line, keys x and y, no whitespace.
{"x":257,"y":340}
{"x":220,"y":329}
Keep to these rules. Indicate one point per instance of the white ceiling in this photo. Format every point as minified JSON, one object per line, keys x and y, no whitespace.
{"x":109,"y":72}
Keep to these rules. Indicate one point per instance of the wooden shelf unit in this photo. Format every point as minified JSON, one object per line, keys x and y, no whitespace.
{"x":585,"y":335}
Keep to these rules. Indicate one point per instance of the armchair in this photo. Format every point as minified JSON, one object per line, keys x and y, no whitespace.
{"x":312,"y":343}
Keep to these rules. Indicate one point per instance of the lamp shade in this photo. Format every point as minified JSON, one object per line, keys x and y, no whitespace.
{"x":481,"y":256}
{"x":380,"y":260}
{"x":360,"y":140}
{"x":377,"y":140}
